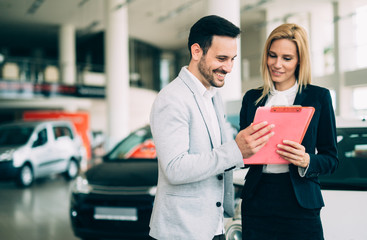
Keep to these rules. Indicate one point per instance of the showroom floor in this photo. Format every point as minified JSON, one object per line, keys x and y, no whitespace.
{"x":37,"y":213}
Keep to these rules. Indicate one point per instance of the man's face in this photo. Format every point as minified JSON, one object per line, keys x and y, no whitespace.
{"x":218,"y":61}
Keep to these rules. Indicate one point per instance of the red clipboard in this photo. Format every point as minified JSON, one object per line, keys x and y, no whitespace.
{"x":291,"y":123}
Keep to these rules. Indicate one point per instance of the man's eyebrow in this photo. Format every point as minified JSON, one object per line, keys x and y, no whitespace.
{"x":226,"y":56}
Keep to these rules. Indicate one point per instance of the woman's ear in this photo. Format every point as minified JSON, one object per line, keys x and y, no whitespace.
{"x":196,"y":51}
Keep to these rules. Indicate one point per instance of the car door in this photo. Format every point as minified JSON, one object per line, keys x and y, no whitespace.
{"x":63,"y":146}
{"x":41,"y":154}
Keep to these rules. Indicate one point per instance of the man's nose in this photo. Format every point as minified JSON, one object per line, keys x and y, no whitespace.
{"x":228,"y":66}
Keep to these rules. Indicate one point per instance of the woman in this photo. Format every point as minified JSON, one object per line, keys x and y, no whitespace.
{"x":283,"y":201}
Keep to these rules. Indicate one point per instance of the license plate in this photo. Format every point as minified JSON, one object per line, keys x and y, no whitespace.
{"x":116,"y":213}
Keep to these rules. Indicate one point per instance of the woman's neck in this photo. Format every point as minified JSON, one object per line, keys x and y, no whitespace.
{"x":284,"y":85}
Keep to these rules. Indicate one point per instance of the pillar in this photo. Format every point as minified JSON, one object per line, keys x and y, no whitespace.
{"x":117,"y":71}
{"x":339,"y":82}
{"x":67,"y":54}
{"x":230,"y":10}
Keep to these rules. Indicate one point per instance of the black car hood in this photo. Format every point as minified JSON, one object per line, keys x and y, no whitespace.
{"x":127,"y":173}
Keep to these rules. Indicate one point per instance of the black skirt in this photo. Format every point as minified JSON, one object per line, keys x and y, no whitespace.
{"x":273,"y":213}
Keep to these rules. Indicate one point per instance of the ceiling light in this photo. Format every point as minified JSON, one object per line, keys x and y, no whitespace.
{"x":35,"y":6}
{"x":177,"y":11}
{"x":82,"y":2}
{"x":249,"y":7}
{"x":123,"y":4}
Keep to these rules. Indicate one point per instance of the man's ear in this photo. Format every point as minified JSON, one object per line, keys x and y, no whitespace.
{"x":196,"y":52}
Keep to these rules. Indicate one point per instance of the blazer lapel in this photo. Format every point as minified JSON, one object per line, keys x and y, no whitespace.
{"x":262,"y":102}
{"x":200,"y":102}
{"x":300,"y":97}
{"x":218,"y":106}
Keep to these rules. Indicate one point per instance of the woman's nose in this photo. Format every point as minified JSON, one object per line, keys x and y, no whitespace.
{"x":278,"y":63}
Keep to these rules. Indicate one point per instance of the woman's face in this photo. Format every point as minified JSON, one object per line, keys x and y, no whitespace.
{"x":282,"y":62}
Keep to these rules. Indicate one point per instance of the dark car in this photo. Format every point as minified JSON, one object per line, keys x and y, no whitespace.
{"x":345,"y":191}
{"x":114,"y":199}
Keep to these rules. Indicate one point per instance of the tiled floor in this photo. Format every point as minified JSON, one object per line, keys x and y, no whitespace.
{"x":37,"y":213}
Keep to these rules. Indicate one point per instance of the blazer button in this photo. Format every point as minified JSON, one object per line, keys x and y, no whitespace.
{"x":220,"y":177}
{"x":218,"y":204}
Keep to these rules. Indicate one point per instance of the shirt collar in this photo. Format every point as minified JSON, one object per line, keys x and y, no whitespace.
{"x":287,"y":92}
{"x":202,"y":89}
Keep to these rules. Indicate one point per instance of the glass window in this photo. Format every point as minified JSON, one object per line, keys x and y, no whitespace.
{"x":62,"y":131}
{"x":57,"y":132}
{"x":41,"y":138}
{"x":130,"y":144}
{"x":67,"y":132}
{"x":15,"y":135}
{"x":360,"y":98}
{"x":361,"y":36}
{"x":360,"y":101}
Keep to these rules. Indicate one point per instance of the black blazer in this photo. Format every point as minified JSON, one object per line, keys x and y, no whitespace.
{"x":319,"y":141}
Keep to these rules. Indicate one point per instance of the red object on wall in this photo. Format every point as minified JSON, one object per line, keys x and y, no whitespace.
{"x":80,"y":120}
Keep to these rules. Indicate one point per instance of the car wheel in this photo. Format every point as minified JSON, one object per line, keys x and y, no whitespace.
{"x":72,"y":171}
{"x":234,"y":230}
{"x":25,"y":176}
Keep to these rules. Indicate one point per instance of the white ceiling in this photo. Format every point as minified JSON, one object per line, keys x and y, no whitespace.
{"x":149,"y":20}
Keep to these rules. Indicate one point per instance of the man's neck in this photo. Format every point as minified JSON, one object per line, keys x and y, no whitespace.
{"x":193,"y":68}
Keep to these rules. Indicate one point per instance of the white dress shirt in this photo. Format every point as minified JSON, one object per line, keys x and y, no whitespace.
{"x":280,"y":98}
{"x":217,"y":141}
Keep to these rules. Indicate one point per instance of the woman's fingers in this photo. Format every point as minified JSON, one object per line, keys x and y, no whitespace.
{"x":294,"y":153}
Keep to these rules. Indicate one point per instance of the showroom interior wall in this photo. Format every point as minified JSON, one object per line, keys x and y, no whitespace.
{"x":332,"y":29}
{"x":332,"y":33}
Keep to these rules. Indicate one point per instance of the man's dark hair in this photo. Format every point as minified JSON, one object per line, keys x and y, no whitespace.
{"x":202,"y":31}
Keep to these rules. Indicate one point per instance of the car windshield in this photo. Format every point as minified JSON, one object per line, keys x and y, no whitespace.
{"x":14,"y":135}
{"x":352,"y":151}
{"x":137,"y":145}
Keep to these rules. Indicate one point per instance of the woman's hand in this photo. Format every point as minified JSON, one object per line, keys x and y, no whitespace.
{"x":294,"y":152}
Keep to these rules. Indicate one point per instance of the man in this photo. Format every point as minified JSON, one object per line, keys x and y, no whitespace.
{"x":195,"y":147}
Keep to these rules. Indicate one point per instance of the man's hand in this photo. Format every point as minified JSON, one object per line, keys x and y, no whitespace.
{"x":251,"y":139}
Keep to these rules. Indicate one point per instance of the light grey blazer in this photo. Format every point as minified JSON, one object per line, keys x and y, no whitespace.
{"x":192,"y":178}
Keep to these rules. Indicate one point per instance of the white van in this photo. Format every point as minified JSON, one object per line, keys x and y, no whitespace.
{"x":35,"y":149}
{"x":344,"y":216}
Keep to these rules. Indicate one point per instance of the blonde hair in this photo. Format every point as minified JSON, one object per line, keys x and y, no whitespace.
{"x":298,"y":35}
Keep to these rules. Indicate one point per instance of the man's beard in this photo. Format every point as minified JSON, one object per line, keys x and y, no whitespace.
{"x":208,"y":74}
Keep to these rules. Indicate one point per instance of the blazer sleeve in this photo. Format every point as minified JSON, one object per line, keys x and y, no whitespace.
{"x":325,"y":160}
{"x":183,"y":145}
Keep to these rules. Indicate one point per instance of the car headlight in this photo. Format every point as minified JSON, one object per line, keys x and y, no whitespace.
{"x":234,"y":230}
{"x":81,"y":185}
{"x":152,"y":191}
{"x":7,"y":155}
